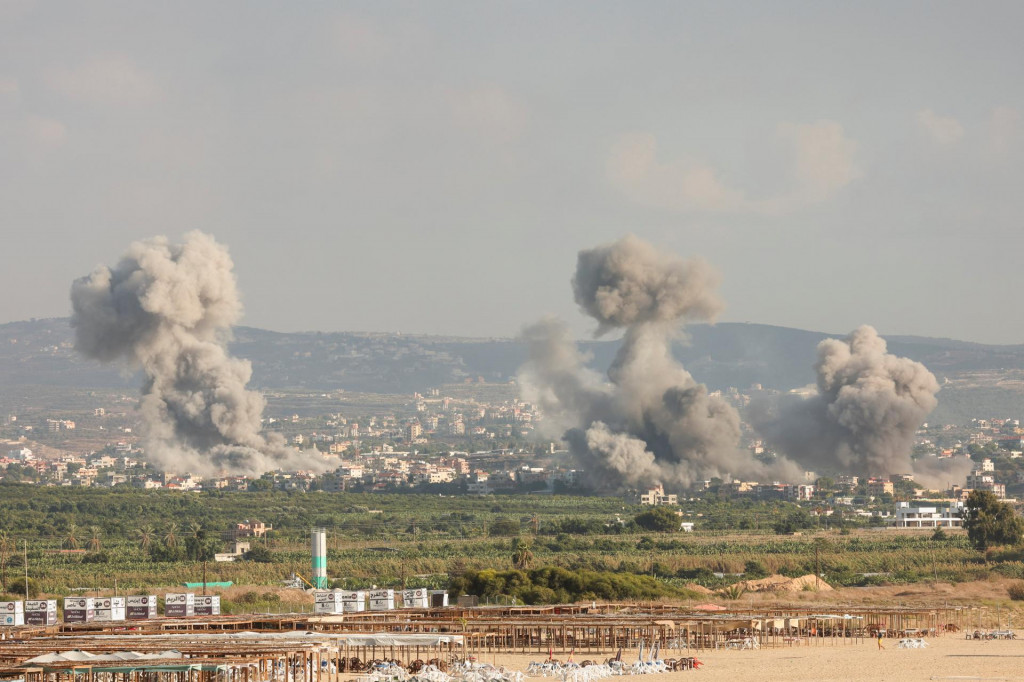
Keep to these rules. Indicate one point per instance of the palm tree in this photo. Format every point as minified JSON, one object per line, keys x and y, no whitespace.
{"x":146,"y":534}
{"x":522,"y":558}
{"x":198,"y":534}
{"x":733,"y":592}
{"x":71,"y":539}
{"x":6,"y":548}
{"x":171,"y":535}
{"x":94,"y":538}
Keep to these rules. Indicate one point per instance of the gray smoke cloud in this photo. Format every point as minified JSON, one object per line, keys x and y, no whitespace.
{"x":862,"y":419}
{"x":168,"y":309}
{"x":649,"y":421}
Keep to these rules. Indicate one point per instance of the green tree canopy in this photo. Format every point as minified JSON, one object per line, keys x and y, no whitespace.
{"x":754,"y":569}
{"x":259,"y":554}
{"x":990,"y":522}
{"x":658,"y":519}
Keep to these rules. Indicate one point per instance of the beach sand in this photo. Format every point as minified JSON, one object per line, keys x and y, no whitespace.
{"x":946,"y":657}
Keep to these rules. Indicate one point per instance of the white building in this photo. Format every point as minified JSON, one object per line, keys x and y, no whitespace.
{"x":803,"y":492}
{"x":929,"y":517}
{"x":479,"y":488}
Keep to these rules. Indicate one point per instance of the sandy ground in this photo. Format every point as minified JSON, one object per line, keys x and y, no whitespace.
{"x":946,"y":658}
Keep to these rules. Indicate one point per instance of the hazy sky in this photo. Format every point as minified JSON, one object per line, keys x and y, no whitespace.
{"x":435,"y":166}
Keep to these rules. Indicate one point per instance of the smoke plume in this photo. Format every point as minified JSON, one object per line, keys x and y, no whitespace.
{"x":168,"y":309}
{"x":862,"y":419}
{"x":649,"y":421}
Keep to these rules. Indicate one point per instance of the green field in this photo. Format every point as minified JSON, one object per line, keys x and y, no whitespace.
{"x":153,"y":539}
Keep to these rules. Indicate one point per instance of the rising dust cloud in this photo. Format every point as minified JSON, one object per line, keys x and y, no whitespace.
{"x":168,"y":310}
{"x":862,"y":419}
{"x":649,"y":421}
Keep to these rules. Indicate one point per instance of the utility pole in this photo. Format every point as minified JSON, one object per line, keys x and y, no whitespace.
{"x":26,"y":570}
{"x":817,"y":568}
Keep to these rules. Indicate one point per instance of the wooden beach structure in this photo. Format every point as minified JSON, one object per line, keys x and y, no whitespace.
{"x":207,"y":656}
{"x":319,"y":648}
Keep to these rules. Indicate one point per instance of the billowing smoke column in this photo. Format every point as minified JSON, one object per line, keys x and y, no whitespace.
{"x":168,"y":309}
{"x":651,"y":422}
{"x":868,"y":405}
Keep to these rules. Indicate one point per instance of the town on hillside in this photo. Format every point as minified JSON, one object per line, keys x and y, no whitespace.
{"x":479,"y":444}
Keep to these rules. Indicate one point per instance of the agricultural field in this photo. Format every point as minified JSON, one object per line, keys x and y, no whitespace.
{"x":82,"y":540}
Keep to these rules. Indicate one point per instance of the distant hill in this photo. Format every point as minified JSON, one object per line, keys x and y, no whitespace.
{"x":977,"y":377}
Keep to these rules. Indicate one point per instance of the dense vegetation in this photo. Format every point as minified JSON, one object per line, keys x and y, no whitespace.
{"x":555,"y":585}
{"x":150,"y":539}
{"x":991,"y":522}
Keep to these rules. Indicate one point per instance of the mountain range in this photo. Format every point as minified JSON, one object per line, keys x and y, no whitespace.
{"x":977,"y":379}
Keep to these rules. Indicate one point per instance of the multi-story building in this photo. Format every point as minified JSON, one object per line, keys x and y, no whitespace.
{"x":847,"y":481}
{"x":250,"y":529}
{"x":440,"y":475}
{"x":352,"y":471}
{"x":656,"y":497}
{"x":738,"y":487}
{"x":803,"y":492}
{"x":879,"y":486}
{"x":982,"y":480}
{"x":929,"y":517}
{"x":479,"y":488}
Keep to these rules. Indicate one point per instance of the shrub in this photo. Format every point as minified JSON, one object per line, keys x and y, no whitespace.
{"x":659,"y":520}
{"x":17,"y":586}
{"x":661,"y":570}
{"x":553,"y":584}
{"x":1016,"y":591}
{"x":1010,"y":570}
{"x":259,"y":554}
{"x":159,"y":552}
{"x":253,"y":597}
{"x":797,"y":520}
{"x":539,"y":595}
{"x":696,"y":574}
{"x":754,"y":569}
{"x":733,"y":592}
{"x":504,"y":528}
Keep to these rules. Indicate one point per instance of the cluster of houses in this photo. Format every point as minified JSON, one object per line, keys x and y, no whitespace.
{"x":382,"y":469}
{"x":380,"y":453}
{"x":95,"y":470}
{"x":434,"y":417}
